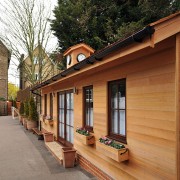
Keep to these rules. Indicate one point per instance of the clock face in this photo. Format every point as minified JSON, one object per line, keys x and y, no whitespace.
{"x":68,"y":58}
{"x":80,"y":57}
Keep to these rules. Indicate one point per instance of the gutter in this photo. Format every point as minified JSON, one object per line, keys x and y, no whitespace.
{"x":35,"y":93}
{"x":99,"y":55}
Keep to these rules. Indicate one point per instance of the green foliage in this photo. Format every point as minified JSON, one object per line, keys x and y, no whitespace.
{"x":2,"y":99}
{"x":111,"y":143}
{"x":82,"y":131}
{"x":14,"y":103}
{"x":99,"y":23}
{"x":12,"y":91}
{"x":21,"y":108}
{"x":33,"y":114}
{"x":26,"y":108}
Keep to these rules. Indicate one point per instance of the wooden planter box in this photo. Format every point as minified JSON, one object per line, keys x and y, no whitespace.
{"x":50,"y":122}
{"x":118,"y":155}
{"x":31,"y":124}
{"x":87,"y":140}
{"x":48,"y":137}
{"x":68,"y":155}
{"x":25,"y":122}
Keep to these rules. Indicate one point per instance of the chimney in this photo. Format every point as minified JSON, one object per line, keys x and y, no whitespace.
{"x":77,"y":53}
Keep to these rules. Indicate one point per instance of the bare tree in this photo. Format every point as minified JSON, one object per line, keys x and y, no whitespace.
{"x":26,"y":27}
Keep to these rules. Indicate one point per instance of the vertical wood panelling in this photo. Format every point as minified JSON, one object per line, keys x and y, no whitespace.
{"x":177,"y":99}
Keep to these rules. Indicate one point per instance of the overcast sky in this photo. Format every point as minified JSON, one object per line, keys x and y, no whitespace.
{"x":13,"y":75}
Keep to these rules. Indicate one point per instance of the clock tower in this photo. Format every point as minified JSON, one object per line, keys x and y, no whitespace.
{"x":77,"y":53}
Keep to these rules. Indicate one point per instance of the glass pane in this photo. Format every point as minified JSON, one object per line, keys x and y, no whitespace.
{"x":67,"y":134}
{"x":87,"y":116}
{"x":61,"y":100}
{"x":121,"y":88}
{"x":114,"y":96}
{"x":122,"y":103}
{"x":91,"y":116}
{"x":72,"y":118}
{"x":122,"y":122}
{"x":72,"y":135}
{"x":68,"y":115}
{"x":61,"y":130}
{"x":114,"y":122}
{"x":61,"y":115}
{"x":72,"y":101}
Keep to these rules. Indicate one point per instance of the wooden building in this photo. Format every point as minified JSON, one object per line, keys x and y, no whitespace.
{"x":129,"y":92}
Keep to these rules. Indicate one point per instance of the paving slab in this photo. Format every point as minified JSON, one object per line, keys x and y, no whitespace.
{"x":24,"y":157}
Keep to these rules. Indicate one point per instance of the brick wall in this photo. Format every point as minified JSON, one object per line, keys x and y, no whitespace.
{"x":88,"y":166}
{"x":4,"y":55}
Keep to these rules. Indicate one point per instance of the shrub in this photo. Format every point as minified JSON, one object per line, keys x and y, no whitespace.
{"x":21,"y":108}
{"x":33,"y":114}
{"x":26,"y":108}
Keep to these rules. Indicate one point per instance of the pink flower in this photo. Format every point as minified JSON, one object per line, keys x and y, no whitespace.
{"x":109,"y":142}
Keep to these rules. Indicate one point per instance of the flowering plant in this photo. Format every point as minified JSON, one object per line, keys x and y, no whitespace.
{"x":111,"y":143}
{"x":82,"y":131}
{"x":48,"y":117}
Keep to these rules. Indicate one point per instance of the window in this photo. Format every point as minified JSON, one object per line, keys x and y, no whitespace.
{"x":45,"y":104}
{"x":88,"y":107}
{"x":117,"y":110}
{"x":66,"y":117}
{"x":51,"y":105}
{"x":36,"y":76}
{"x":35,"y":59}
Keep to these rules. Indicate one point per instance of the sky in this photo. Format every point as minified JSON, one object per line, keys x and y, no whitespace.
{"x":13,"y":74}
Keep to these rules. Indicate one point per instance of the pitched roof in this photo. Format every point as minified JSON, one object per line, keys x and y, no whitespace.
{"x":148,"y":31}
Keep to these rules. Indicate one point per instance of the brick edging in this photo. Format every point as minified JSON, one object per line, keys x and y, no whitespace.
{"x":91,"y":168}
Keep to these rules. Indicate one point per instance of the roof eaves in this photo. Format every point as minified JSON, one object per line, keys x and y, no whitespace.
{"x":99,"y":55}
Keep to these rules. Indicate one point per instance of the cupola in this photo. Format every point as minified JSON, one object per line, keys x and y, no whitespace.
{"x":77,"y":53}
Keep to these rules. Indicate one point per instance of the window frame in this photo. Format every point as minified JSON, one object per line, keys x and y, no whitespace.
{"x":45,"y":104}
{"x":89,"y":128}
{"x":117,"y":137}
{"x":51,"y":105}
{"x":63,"y":140}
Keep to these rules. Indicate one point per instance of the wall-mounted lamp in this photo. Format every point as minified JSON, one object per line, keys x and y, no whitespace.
{"x":75,"y":90}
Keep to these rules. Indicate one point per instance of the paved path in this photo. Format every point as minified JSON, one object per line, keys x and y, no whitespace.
{"x":24,"y":157}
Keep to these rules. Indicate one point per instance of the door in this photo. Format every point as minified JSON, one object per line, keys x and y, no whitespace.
{"x":66,"y":118}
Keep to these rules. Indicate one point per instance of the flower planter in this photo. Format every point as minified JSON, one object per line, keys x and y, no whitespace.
{"x":87,"y":140}
{"x":68,"y":155}
{"x":50,"y":122}
{"x":20,"y":119}
{"x":48,"y":137}
{"x":118,"y":155}
{"x":31,"y":124}
{"x":25,"y":122}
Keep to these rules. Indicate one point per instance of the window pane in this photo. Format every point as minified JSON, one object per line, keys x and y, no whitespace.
{"x":122,"y":102}
{"x":122,"y":122}
{"x":61,"y":115}
{"x":114,"y":96}
{"x":61,"y":130}
{"x":72,"y":118}
{"x":91,"y":117}
{"x":72,"y":135}
{"x":69,"y":99}
{"x":67,"y":133}
{"x":114,"y":122}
